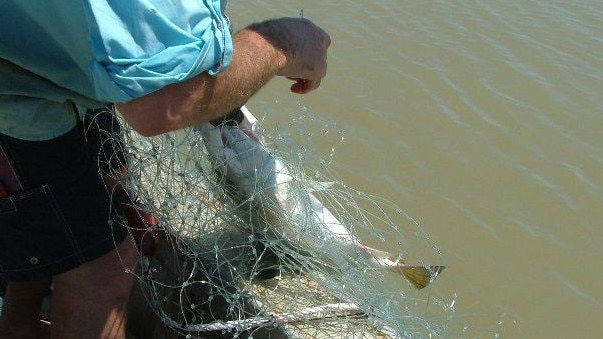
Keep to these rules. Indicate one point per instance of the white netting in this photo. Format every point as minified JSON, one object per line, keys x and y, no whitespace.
{"x":250,"y":242}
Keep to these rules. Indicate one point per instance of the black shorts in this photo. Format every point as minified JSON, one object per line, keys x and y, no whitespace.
{"x":103,"y":135}
{"x":59,"y":214}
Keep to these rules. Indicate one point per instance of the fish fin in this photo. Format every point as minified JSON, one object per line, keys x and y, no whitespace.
{"x":420,"y":276}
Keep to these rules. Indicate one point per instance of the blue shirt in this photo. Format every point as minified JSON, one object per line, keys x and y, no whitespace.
{"x":56,"y":53}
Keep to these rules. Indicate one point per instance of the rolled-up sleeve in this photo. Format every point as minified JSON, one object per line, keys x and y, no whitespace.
{"x":141,"y":46}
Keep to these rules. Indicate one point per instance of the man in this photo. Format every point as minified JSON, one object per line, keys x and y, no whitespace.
{"x":165,"y":65}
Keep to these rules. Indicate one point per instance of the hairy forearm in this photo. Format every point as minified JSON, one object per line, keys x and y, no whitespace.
{"x":203,"y":98}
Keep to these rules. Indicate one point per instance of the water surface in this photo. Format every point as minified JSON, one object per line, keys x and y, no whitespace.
{"x":482,"y":120}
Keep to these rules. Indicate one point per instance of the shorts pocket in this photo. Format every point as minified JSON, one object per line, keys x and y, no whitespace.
{"x":33,"y":232}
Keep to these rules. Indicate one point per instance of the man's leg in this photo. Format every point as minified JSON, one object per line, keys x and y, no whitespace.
{"x":70,"y":174}
{"x":21,"y":314}
{"x":91,"y":300}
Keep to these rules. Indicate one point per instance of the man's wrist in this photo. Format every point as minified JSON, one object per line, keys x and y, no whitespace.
{"x":233,"y":118}
{"x":274,"y":35}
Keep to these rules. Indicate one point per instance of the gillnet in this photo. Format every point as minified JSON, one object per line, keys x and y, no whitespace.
{"x":251,"y":245}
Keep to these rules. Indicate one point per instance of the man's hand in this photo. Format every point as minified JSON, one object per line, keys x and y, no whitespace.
{"x":304,"y":46}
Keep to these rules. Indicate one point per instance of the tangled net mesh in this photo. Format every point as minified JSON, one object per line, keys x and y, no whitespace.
{"x":233,"y":261}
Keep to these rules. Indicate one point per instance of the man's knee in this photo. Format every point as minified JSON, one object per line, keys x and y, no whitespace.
{"x":107,"y":275}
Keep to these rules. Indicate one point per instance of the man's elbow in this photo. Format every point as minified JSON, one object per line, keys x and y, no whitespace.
{"x":147,"y":121}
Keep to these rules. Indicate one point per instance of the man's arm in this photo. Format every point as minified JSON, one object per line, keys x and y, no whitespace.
{"x":290,"y":47}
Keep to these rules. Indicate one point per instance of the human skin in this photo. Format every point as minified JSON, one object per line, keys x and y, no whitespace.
{"x":294,"y":48}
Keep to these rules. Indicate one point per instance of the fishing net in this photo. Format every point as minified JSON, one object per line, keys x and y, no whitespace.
{"x":258,"y":237}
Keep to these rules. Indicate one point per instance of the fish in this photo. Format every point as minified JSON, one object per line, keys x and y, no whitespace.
{"x":289,"y":204}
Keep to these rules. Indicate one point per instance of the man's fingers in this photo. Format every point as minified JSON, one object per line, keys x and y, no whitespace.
{"x":300,"y":86}
{"x":303,"y":86}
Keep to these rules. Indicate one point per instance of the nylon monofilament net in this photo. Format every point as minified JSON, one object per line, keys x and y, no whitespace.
{"x":252,"y":243}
